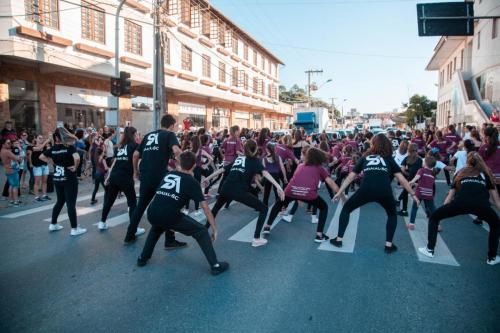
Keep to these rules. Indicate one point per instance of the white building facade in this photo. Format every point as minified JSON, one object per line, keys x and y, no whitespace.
{"x":469,"y":71}
{"x":57,"y":58}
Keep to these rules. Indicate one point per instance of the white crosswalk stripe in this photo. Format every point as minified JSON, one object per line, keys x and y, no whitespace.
{"x":246,"y":233}
{"x":349,"y":240}
{"x":442,"y":254}
{"x":81,"y":211}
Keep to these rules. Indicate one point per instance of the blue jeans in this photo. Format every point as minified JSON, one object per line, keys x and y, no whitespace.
{"x":429,"y":209}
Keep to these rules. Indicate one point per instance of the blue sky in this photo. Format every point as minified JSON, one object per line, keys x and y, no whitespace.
{"x":370,"y":48}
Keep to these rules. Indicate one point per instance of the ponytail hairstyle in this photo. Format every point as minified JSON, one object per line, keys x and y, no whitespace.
{"x":64,"y":136}
{"x":491,"y":134}
{"x":287,"y":141}
{"x":323,"y":145}
{"x":250,"y":148}
{"x":439,"y":135}
{"x":204,"y":139}
{"x":270,"y":149}
{"x":128,"y":136}
{"x":195,"y":144}
{"x":263,"y":135}
{"x":475,"y":166}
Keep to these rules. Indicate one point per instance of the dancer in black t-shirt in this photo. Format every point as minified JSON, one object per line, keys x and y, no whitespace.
{"x":154,"y":153}
{"x":378,"y":168}
{"x":470,"y":194}
{"x":65,"y":159}
{"x":164,"y":213}
{"x":120,"y":177}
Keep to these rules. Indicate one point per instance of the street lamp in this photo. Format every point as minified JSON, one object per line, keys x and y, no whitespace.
{"x":327,"y":81}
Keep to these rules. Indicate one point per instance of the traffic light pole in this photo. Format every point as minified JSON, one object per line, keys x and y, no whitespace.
{"x":117,"y":55}
{"x":158,"y":64}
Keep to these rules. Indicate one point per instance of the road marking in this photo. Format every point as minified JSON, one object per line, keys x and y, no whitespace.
{"x":442,"y":255}
{"x":49,"y":206}
{"x":485,"y":225}
{"x":349,"y":239}
{"x":245,"y":234}
{"x":81,"y":211}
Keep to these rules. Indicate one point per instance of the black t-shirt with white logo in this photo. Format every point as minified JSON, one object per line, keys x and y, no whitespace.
{"x":63,"y":158}
{"x":395,"y":143}
{"x":155,"y":151}
{"x":123,"y":168}
{"x":377,"y":171}
{"x":474,"y":189}
{"x":241,"y":174}
{"x":175,"y":190}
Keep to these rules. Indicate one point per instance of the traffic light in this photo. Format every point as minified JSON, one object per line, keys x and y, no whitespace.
{"x":115,"y":86}
{"x":126,"y":83}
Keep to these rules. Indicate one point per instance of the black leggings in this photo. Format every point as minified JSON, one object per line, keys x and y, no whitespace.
{"x":66,"y":194}
{"x":112,"y":190}
{"x":247,"y":199}
{"x":146,"y":193}
{"x":268,"y":186}
{"x":317,"y":203}
{"x":99,"y":180}
{"x":403,"y":196}
{"x":363,"y":196}
{"x":187,"y":226}
{"x":482,"y":210}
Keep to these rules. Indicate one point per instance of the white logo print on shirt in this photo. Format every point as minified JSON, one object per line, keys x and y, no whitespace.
{"x":172,"y":181}
{"x":240,"y":161}
{"x":152,"y":138}
{"x":374,"y":160}
{"x":122,"y":151}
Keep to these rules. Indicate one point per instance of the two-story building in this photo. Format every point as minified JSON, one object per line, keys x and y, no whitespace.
{"x":469,"y":71}
{"x":57,"y":58}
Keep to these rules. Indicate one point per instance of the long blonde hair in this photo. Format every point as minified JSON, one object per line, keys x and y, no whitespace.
{"x":475,"y":166}
{"x":64,"y":136}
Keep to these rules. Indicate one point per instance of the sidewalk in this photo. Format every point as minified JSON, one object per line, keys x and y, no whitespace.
{"x":27,"y":200}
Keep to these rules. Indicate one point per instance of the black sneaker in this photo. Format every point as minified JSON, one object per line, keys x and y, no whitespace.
{"x":336,"y":242}
{"x":141,"y":262}
{"x":175,"y":245}
{"x":402,"y":213}
{"x":46,"y":197}
{"x":219,"y":268}
{"x":390,"y":249}
{"x":477,"y":222}
{"x":321,"y":239}
{"x":93,"y":202}
{"x":129,"y":239}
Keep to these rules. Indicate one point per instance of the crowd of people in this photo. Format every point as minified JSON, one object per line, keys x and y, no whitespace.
{"x":175,"y":170}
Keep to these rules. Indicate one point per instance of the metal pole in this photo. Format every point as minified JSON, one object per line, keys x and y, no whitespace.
{"x":117,"y":55}
{"x":158,"y":63}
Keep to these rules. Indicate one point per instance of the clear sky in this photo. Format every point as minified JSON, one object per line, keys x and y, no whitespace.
{"x":370,"y":48}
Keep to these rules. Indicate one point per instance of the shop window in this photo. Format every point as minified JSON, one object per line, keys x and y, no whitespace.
{"x":23,"y":106}
{"x":44,"y":12}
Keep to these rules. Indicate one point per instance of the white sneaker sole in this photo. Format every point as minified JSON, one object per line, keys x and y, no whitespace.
{"x":258,"y":244}
{"x":320,"y":240}
{"x":103,"y":228}
{"x":139,"y":232}
{"x":78,"y":233}
{"x":426,"y":253}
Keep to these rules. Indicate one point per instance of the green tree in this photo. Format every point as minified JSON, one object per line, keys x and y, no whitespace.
{"x":420,"y":107}
{"x":299,"y":95}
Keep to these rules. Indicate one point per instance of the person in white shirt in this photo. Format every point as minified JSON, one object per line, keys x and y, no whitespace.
{"x":461,"y":155}
{"x":401,"y":153}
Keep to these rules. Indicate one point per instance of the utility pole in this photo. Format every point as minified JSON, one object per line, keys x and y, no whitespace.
{"x":117,"y":56}
{"x":158,"y":64}
{"x":309,"y":73}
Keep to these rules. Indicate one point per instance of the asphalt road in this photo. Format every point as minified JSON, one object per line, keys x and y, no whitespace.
{"x":51,"y":282}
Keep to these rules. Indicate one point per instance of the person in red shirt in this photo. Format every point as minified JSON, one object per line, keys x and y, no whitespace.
{"x":494,"y":117}
{"x":425,"y":180}
{"x":187,"y":124}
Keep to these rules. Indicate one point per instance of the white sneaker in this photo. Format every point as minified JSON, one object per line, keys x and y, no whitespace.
{"x":288,"y":218}
{"x":426,"y":252}
{"x":78,"y":231}
{"x":259,"y":242}
{"x":102,"y":225}
{"x":314,"y":219}
{"x":55,"y":227}
{"x":185,"y":211}
{"x":493,"y":261}
{"x":140,"y":231}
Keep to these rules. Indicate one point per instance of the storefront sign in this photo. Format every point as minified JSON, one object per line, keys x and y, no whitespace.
{"x":78,"y":96}
{"x":192,"y":109}
{"x":241,"y":115}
